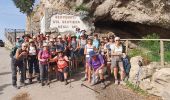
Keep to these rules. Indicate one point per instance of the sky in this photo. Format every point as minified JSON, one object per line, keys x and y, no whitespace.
{"x":10,"y":17}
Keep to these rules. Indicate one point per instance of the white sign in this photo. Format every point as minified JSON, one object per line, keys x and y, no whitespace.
{"x":65,"y":22}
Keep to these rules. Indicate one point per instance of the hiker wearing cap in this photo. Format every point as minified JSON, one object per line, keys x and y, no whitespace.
{"x":96,"y":66}
{"x":88,"y":47}
{"x":18,"y":61}
{"x":32,"y":60}
{"x":96,"y":41}
{"x":116,"y":61}
{"x":44,"y":56}
{"x":74,"y":52}
{"x":62,"y":66}
{"x":81,"y":45}
{"x":78,"y":33}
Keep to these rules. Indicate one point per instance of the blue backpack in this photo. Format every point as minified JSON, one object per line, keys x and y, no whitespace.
{"x":126,"y":65}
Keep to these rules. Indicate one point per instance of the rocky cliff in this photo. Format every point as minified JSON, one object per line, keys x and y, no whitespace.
{"x":140,"y":16}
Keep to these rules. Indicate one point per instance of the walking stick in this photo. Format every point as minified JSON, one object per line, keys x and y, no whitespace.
{"x":70,"y":72}
{"x":48,"y":73}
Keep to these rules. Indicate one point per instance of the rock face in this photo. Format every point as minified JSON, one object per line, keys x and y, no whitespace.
{"x":150,"y":12}
{"x":153,"y":78}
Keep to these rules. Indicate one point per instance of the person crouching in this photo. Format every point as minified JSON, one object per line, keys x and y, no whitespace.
{"x":96,"y":66}
{"x":62,"y":65}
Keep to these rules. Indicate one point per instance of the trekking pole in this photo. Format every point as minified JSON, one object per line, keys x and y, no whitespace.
{"x":48,"y":72}
{"x":94,"y":90}
{"x":70,"y":72}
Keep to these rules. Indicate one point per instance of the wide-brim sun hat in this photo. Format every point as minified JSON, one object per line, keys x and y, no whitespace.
{"x":73,"y":36}
{"x":26,"y":35}
{"x":59,"y":50}
{"x":51,"y":40}
{"x":92,"y":53}
{"x":45,"y":45}
{"x":31,"y":40}
{"x":59,"y":37}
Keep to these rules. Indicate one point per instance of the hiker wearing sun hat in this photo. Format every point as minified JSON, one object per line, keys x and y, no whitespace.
{"x":74,"y":52}
{"x":96,"y":66}
{"x":43,"y":57}
{"x":62,"y":66}
{"x":32,"y":60}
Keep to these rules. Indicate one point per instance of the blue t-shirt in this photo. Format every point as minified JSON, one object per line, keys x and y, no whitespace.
{"x":96,"y":43}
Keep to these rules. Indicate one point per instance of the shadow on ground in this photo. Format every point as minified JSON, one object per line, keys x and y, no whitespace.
{"x":5,"y":73}
{"x":3,"y":87}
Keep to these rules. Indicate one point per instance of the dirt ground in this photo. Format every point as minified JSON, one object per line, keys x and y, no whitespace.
{"x":58,"y":91}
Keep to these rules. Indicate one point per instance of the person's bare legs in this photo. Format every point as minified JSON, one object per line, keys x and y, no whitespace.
{"x":115,"y":75}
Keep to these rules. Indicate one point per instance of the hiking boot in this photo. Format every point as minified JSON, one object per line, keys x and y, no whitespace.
{"x":38,"y":80}
{"x":22,"y":84}
{"x":42,"y":83}
{"x":66,"y":83}
{"x":30,"y":81}
{"x":16,"y":87}
{"x":103,"y":86}
{"x":122,"y":83}
{"x":116,"y":82}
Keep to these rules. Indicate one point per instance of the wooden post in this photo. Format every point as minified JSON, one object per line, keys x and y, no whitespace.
{"x":127,"y":44}
{"x":162,"y":52}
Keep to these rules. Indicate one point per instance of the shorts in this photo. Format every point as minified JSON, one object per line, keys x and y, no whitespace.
{"x":101,"y":71}
{"x":73,"y":54}
{"x":87,"y":58}
{"x":117,"y":63}
{"x":81,"y":52}
{"x":65,"y":69}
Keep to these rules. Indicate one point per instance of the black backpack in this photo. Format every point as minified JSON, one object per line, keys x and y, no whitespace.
{"x":13,"y":51}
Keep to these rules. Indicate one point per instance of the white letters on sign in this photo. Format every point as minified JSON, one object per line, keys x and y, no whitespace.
{"x":65,"y":22}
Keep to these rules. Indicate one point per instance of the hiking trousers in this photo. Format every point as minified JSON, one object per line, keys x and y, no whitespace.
{"x":14,"y":64}
{"x":43,"y":72}
{"x":33,"y":64}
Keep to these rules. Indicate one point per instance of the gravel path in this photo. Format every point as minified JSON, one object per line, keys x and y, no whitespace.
{"x":58,"y":91}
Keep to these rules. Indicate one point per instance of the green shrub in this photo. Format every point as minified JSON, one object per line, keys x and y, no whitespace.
{"x":81,"y":8}
{"x":135,"y":88}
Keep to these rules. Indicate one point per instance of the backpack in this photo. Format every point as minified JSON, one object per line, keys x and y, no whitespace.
{"x":126,"y":65}
{"x":13,"y":51}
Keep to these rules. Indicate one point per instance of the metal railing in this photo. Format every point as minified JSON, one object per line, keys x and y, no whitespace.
{"x":162,"y":48}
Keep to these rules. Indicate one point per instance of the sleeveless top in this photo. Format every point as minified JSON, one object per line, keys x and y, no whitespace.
{"x":61,"y":62}
{"x":88,"y":50}
{"x":23,"y":56}
{"x":74,"y":45}
{"x":82,"y":43}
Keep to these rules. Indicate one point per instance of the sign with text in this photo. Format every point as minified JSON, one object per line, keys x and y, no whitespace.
{"x":66,"y":22}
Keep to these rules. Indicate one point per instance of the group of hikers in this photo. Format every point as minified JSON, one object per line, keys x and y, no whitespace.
{"x":40,"y":55}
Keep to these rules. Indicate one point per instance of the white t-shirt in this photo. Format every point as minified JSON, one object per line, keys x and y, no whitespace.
{"x":32,"y":50}
{"x":116,"y":49}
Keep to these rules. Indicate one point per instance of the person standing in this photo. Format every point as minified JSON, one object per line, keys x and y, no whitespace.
{"x":18,"y":61}
{"x":44,"y":56}
{"x":116,"y":61}
{"x":32,"y":61}
{"x":88,"y":48}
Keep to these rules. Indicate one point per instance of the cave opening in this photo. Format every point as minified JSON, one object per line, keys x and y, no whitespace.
{"x":130,"y":29}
